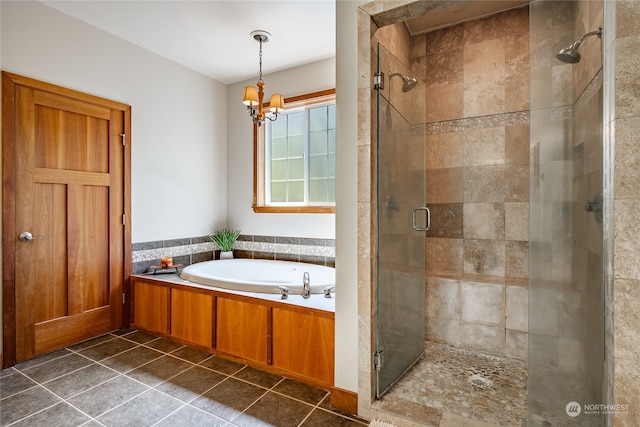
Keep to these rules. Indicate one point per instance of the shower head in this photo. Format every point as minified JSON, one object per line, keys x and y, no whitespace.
{"x":408,"y":83}
{"x":570,"y":54}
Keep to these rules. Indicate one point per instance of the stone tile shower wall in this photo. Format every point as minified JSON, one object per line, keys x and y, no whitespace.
{"x":191,"y":250}
{"x":477,"y":162}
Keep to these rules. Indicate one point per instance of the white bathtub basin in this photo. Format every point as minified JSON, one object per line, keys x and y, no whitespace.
{"x":259,"y":275}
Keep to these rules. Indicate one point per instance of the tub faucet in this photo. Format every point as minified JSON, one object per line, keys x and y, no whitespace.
{"x":306,"y":289}
{"x":284,"y":292}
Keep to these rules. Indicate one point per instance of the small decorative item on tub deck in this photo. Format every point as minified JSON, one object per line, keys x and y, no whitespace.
{"x":225,"y":238}
{"x":166,"y":262}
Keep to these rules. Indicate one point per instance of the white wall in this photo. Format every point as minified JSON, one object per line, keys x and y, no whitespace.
{"x":178,"y":117}
{"x":346,"y":369}
{"x":294,"y":81}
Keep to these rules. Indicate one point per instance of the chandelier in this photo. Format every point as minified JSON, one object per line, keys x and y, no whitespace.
{"x":254,"y":97}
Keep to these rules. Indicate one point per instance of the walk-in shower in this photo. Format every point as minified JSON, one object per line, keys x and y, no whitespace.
{"x":570,"y":54}
{"x":503,"y":296}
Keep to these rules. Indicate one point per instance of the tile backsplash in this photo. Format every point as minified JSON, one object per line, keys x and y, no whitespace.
{"x":191,"y":250}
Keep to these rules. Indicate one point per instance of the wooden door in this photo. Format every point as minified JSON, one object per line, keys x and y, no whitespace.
{"x":64,"y":160}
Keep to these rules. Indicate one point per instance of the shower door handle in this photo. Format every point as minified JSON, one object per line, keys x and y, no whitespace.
{"x":421,"y":208}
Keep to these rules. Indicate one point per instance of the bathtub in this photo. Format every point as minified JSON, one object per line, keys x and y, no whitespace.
{"x":259,"y":275}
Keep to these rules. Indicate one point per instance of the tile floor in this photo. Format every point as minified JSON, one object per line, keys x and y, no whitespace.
{"x":130,"y":378}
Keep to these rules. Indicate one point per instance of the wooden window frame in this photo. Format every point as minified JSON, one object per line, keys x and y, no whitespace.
{"x":259,"y":162}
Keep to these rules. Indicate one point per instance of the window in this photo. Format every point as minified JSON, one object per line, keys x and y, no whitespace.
{"x":295,"y":157}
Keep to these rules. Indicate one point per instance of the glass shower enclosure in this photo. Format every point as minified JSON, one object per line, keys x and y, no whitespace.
{"x":566,"y":280}
{"x":402,"y":219}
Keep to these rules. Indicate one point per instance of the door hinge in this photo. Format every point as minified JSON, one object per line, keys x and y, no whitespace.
{"x":122,"y":135}
{"x":377,"y":360}
{"x":378,"y":80}
{"x":124,"y":219}
{"x":123,"y":297}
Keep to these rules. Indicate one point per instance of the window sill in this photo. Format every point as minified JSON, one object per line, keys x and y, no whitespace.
{"x":295,"y":209}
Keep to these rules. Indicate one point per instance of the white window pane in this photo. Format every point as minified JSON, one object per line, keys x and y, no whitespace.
{"x":318,"y":166}
{"x":331,"y":140}
{"x":331,"y":165}
{"x":279,"y":127}
{"x":296,"y":169}
{"x":331,"y":115}
{"x":278,"y":170}
{"x":317,"y":143}
{"x":296,"y":191}
{"x":296,"y":146}
{"x":278,"y":192}
{"x":331,"y":190}
{"x":318,"y":190}
{"x":278,"y":148}
{"x":295,"y":123}
{"x":317,"y":119}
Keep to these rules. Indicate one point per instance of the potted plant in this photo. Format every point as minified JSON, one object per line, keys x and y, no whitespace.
{"x":225,"y":238}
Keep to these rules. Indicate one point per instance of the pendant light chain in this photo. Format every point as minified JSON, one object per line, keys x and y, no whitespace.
{"x":260,"y":79}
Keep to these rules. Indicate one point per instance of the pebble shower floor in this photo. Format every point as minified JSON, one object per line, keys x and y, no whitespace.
{"x":466,"y":383}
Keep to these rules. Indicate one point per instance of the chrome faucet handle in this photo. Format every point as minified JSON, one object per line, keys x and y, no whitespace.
{"x":306,"y":289}
{"x":327,"y":291}
{"x":284,"y":292}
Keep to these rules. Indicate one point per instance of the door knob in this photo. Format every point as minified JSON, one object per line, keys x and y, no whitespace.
{"x":25,"y":236}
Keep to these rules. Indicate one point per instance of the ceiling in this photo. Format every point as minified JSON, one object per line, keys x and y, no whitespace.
{"x":212,"y":36}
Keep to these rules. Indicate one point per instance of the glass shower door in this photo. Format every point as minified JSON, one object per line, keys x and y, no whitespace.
{"x":401,"y":214}
{"x":566,"y":273}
